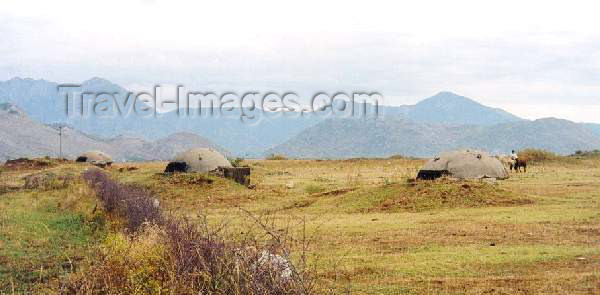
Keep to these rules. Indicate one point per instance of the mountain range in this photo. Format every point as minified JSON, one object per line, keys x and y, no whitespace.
{"x":33,"y":108}
{"x":23,"y":137}
{"x":383,"y":137}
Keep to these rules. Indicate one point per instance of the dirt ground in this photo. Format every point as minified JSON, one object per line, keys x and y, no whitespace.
{"x":370,"y":228}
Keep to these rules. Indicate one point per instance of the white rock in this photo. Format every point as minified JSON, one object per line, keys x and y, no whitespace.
{"x":278,"y":262}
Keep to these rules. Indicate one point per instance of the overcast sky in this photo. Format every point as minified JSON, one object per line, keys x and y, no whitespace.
{"x":533,"y":58}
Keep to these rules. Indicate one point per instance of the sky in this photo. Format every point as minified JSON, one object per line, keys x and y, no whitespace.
{"x":532,"y":58}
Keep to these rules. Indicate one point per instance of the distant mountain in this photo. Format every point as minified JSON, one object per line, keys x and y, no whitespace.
{"x":557,"y":135}
{"x":23,"y":137}
{"x":452,"y":109}
{"x":443,"y":121}
{"x":346,"y":138}
{"x":343,"y":138}
{"x":168,"y":146}
{"x":41,"y":100}
{"x":593,"y":127}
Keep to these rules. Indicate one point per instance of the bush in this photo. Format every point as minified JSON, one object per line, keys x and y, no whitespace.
{"x":313,"y":189}
{"x":594,"y":153}
{"x":396,"y":157}
{"x":168,"y":255}
{"x":134,"y":203}
{"x":188,"y":178}
{"x":276,"y":157}
{"x":47,"y":181}
{"x":237,"y":162}
{"x":537,"y":155}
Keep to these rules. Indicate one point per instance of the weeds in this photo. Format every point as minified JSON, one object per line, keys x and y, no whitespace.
{"x":237,"y":162}
{"x":313,"y":189}
{"x":582,"y":154}
{"x":47,"y":181}
{"x":166,"y":254}
{"x":276,"y":157}
{"x":537,"y":155}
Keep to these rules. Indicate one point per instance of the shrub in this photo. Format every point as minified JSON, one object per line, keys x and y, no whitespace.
{"x":313,"y":188}
{"x":396,"y":157}
{"x":276,"y":157}
{"x":537,"y":155}
{"x":237,"y":162}
{"x":134,"y":203}
{"x":163,"y":254}
{"x":188,"y":178}
{"x":594,"y":153}
{"x":47,"y":181}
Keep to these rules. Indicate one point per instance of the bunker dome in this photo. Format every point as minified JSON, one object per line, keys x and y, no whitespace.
{"x":466,"y":164}
{"x":198,"y":160}
{"x":95,"y":157}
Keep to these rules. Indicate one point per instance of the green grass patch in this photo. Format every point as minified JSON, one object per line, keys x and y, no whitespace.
{"x":44,"y":236}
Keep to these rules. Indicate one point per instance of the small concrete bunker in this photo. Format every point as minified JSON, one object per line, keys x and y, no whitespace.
{"x":467,"y":164}
{"x":198,"y":160}
{"x":95,"y":157}
{"x":205,"y":160}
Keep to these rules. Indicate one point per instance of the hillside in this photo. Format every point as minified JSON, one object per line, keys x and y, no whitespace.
{"x":443,"y":121}
{"x":40,"y":99}
{"x":452,"y":109}
{"x":23,"y":137}
{"x":345,"y":138}
{"x":595,"y":128}
{"x":42,"y":102}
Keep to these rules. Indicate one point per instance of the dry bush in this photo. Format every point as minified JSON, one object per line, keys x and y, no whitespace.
{"x":26,"y":164}
{"x":188,"y":178}
{"x":397,"y":157}
{"x":537,"y":155}
{"x":47,"y":181}
{"x":586,"y":154}
{"x":276,"y":157}
{"x":163,"y":254}
{"x":236,"y":162}
{"x":134,"y":203}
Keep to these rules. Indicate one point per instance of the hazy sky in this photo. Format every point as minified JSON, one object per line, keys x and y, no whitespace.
{"x":532,"y":58}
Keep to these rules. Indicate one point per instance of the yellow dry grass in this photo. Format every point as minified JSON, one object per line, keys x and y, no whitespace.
{"x":548,"y":244}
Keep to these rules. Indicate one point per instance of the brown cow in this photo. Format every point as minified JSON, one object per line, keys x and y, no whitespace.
{"x":518,"y":164}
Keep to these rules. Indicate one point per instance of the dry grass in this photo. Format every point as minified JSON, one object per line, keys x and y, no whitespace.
{"x":537,"y":232}
{"x":383,"y":235}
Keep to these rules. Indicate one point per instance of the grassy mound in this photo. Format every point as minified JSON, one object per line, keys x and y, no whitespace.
{"x":186,"y":178}
{"x":44,"y":181}
{"x":30,"y":164}
{"x":429,"y":195}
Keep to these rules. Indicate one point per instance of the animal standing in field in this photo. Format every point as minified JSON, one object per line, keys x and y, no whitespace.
{"x":518,"y":164}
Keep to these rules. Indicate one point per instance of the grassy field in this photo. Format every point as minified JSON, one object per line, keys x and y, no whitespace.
{"x":45,"y":232}
{"x":372,"y":229}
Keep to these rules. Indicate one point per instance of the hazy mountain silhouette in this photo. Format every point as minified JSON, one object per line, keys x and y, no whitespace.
{"x":443,"y":121}
{"x":450,"y":108}
{"x":343,"y":138}
{"x":23,"y":137}
{"x":41,"y":100}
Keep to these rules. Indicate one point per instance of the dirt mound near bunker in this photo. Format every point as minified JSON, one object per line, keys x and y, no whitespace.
{"x":439,"y":194}
{"x":30,"y":164}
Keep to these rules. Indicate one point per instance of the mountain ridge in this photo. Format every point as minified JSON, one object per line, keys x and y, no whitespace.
{"x":445,"y":111}
{"x":384,"y":137}
{"x":23,"y":137}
